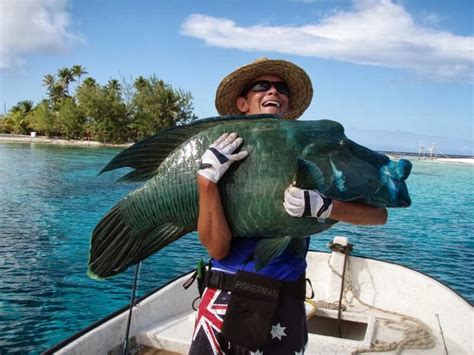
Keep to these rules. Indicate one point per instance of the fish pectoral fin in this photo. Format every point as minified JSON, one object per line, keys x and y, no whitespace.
{"x":115,"y":247}
{"x":268,"y":249}
{"x":308,"y":175}
{"x":298,"y":247}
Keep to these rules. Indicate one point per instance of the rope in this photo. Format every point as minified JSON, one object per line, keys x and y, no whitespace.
{"x":314,"y":307}
{"x":416,"y":334}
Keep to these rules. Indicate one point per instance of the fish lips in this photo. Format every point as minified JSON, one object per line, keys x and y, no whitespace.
{"x":394,"y":174}
{"x":400,"y":196}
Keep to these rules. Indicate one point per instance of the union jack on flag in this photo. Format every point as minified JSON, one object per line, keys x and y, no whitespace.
{"x":209,"y":320}
{"x":288,"y":334}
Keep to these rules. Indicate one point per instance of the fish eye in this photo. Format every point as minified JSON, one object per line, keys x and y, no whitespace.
{"x":343,"y":143}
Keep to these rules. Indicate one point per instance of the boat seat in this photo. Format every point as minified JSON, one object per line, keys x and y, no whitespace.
{"x":174,"y":335}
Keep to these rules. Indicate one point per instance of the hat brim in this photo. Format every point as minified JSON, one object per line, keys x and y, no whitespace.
{"x":299,"y":83}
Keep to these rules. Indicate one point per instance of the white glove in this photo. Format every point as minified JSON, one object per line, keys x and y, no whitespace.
{"x":218,"y":157}
{"x":299,"y":203}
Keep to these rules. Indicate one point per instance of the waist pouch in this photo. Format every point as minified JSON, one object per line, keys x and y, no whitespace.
{"x":252,"y":305}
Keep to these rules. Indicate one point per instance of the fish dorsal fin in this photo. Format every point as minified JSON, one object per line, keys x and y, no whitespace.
{"x":146,"y":156}
{"x":308,"y":175}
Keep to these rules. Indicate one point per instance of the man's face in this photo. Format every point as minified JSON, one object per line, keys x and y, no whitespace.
{"x":270,"y":101}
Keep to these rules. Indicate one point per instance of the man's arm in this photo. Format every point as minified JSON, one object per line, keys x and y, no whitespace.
{"x":358,"y":213}
{"x":213,"y":229}
{"x":311,"y":203}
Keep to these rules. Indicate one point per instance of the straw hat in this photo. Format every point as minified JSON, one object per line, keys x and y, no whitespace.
{"x":296,"y":78}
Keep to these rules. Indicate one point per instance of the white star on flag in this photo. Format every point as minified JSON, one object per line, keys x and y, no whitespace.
{"x":278,"y":331}
{"x":258,"y":352}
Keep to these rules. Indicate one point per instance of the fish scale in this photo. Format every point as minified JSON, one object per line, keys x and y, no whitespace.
{"x":313,"y":154}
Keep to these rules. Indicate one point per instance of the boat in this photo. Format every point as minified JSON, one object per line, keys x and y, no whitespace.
{"x":360,"y":305}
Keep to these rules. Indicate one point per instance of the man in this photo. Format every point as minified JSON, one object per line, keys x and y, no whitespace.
{"x":273,"y":87}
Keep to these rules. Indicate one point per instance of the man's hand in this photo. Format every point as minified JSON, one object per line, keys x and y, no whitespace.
{"x":218,"y":157}
{"x":299,"y":203}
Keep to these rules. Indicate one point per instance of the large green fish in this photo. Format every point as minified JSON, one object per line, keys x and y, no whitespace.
{"x":314,"y":154}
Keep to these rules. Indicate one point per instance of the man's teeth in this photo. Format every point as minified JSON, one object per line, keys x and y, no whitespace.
{"x":272,"y":103}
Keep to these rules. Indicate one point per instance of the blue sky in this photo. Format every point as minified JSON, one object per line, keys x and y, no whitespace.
{"x":392,"y":72}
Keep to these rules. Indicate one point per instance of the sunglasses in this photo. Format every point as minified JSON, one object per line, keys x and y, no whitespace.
{"x":264,"y":85}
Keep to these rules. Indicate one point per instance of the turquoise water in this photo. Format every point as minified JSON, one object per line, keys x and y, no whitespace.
{"x":51,"y":198}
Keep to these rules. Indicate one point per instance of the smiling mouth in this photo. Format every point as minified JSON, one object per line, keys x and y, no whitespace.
{"x":271,"y":103}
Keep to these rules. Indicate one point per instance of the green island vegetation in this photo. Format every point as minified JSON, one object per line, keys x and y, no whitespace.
{"x":116,"y":112}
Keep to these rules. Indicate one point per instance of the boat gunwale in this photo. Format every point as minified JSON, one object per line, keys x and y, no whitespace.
{"x":110,"y":316}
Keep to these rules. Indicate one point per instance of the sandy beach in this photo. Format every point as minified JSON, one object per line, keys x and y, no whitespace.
{"x":453,"y":160}
{"x":17,"y":138}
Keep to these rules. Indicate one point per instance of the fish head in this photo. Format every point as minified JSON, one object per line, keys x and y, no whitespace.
{"x":342,"y":169}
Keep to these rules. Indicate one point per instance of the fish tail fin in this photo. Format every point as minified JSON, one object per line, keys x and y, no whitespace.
{"x":268,"y":249}
{"x":115,"y":246}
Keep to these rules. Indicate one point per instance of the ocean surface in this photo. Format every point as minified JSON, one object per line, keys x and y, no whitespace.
{"x":51,"y":198}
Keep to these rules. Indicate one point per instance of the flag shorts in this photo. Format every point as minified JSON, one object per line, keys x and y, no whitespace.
{"x":289,"y":333}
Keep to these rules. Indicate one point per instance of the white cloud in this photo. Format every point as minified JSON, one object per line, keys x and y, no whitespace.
{"x":375,"y":32}
{"x":32,"y":26}
{"x":431,"y":18}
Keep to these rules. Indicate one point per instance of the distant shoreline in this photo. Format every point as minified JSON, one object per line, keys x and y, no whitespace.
{"x":454,"y":160}
{"x":451,"y":159}
{"x":426,"y":156}
{"x":19,"y":138}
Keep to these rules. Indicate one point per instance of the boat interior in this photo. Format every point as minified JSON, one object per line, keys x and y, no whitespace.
{"x":360,"y":306}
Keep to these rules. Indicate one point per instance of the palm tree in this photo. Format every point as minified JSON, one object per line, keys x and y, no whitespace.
{"x":140,"y":82}
{"x":25,"y":107}
{"x":18,"y":115}
{"x":49,"y":81}
{"x":169,"y":108}
{"x":113,"y":86}
{"x":56,"y":93}
{"x":66,"y":76}
{"x":43,"y":118}
{"x":89,"y":82}
{"x":78,"y":71}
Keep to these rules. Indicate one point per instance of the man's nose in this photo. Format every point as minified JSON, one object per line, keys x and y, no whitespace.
{"x":273,"y":89}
